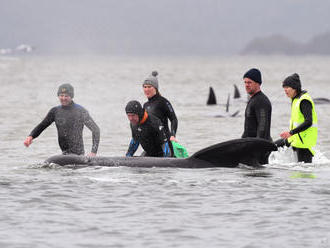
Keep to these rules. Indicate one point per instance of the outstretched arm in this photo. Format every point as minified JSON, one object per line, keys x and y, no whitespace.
{"x":41,"y":127}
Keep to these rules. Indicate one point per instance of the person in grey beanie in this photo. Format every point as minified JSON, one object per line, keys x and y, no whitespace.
{"x":258,"y":110}
{"x":70,"y":119}
{"x":302,"y":134}
{"x":159,"y":106}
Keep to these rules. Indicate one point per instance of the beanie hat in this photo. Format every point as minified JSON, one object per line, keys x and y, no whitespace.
{"x":66,"y":89}
{"x":293,"y":81}
{"x":134,"y":107}
{"x":253,"y":74}
{"x":152,"y":80}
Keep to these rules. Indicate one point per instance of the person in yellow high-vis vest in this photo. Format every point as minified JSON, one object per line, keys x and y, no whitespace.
{"x":302,"y":135}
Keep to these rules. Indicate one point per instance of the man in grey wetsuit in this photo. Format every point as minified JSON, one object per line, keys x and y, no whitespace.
{"x":70,"y":119}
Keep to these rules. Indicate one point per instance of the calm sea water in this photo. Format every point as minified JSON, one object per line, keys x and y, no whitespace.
{"x":284,"y":205}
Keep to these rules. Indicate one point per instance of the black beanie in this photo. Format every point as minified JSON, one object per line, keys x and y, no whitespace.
{"x":134,"y":107}
{"x":66,"y":89}
{"x":292,"y":81}
{"x":253,"y":74}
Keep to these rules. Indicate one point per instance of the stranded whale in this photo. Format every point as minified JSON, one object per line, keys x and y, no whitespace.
{"x":226,"y":154}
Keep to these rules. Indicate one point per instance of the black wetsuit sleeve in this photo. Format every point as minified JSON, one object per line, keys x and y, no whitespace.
{"x":306,"y":109}
{"x":133,"y":146}
{"x":159,"y":128}
{"x":172,"y":117}
{"x":46,"y":122}
{"x":163,"y":140}
{"x":263,"y":119}
{"x":90,"y":123}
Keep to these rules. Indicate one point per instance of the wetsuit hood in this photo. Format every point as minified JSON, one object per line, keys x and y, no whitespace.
{"x":134,"y":107}
{"x":66,"y":89}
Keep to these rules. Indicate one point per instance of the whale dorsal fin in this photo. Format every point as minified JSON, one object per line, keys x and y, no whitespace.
{"x":228,"y":103}
{"x":245,"y":151}
{"x":236,"y":92}
{"x":212,"y":99}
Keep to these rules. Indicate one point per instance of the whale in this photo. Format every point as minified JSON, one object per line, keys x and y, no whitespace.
{"x":212,"y":99}
{"x":229,"y":154}
{"x":321,"y":100}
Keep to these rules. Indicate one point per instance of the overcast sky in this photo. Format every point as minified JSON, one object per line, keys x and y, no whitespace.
{"x":156,"y":27}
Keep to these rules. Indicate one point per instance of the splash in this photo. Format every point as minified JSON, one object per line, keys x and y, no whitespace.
{"x":285,"y":157}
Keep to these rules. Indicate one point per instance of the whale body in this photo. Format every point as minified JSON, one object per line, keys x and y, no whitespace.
{"x":226,"y":154}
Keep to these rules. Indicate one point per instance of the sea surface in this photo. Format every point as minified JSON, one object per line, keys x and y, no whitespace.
{"x":286,"y":204}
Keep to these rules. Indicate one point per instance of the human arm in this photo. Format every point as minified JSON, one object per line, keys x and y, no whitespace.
{"x":306,"y":109}
{"x":91,"y":125}
{"x":46,"y":122}
{"x":133,"y":146}
{"x":263,"y":115}
{"x":166,"y":149}
{"x":172,"y":117}
{"x":162,"y":139}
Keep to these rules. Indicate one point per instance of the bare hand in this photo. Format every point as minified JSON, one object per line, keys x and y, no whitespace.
{"x":92,"y":154}
{"x":28,"y":141}
{"x":172,"y":138}
{"x":285,"y":135}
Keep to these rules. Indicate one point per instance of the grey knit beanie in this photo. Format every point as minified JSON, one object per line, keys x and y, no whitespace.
{"x":152,"y":80}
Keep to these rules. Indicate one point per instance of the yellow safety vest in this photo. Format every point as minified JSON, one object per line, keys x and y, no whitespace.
{"x":308,"y":137}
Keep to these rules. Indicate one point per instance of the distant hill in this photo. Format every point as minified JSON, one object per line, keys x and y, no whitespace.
{"x":279,"y":44}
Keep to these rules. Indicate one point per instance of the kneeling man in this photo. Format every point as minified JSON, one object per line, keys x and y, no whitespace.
{"x":148,"y":131}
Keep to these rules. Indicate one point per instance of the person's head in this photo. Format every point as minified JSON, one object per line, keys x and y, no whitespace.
{"x":134,"y":112}
{"x":292,"y":85}
{"x":65,"y":94}
{"x":252,"y":80}
{"x":150,"y":85}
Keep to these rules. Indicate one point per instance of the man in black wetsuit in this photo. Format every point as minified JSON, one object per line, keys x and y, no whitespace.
{"x":148,"y":131}
{"x":258,"y":111}
{"x":70,"y":119}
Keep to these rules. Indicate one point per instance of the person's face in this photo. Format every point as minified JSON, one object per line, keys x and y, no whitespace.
{"x":133,"y":118}
{"x":149,"y":90}
{"x":251,"y":86}
{"x":65,"y":99}
{"x":290,"y":92}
